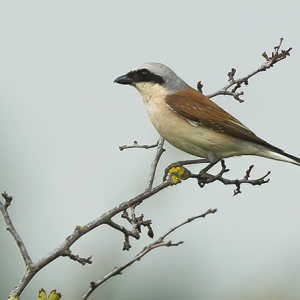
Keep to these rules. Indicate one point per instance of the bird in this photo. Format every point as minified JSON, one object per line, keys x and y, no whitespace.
{"x":192,"y":122}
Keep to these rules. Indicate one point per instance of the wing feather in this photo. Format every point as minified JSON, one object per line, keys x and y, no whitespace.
{"x":198,"y":109}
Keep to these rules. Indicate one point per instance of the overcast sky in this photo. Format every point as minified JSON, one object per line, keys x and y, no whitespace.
{"x":63,"y":119}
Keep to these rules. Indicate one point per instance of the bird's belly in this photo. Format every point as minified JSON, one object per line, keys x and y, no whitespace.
{"x":200,"y":141}
{"x":196,"y":140}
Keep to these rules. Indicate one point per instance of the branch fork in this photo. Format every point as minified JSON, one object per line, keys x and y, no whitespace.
{"x":204,"y":178}
{"x":235,"y":84}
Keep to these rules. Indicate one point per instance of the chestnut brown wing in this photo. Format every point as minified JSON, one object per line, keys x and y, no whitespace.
{"x":200,"y":110}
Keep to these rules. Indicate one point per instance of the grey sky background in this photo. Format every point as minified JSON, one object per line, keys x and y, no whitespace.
{"x":63,"y":119}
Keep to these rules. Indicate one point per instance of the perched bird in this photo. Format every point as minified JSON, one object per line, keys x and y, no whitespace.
{"x":193,"y":123}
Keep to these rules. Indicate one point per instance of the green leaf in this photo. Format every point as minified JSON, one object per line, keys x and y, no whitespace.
{"x":43,"y":296}
{"x":54,"y":295}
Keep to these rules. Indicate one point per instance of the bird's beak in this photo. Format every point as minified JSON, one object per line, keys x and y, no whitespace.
{"x":124,"y":79}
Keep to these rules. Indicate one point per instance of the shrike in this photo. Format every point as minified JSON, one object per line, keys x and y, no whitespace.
{"x":193,"y":123}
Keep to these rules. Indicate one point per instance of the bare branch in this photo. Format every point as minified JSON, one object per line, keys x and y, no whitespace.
{"x":83,"y":261}
{"x":159,"y":144}
{"x":137,"y":223}
{"x":189,"y":220}
{"x":159,"y":152}
{"x":7,"y":198}
{"x":275,"y":57}
{"x":158,"y":243}
{"x":133,"y":233}
{"x":12,"y":229}
{"x":137,"y":145}
{"x":79,"y":231}
{"x":205,"y":178}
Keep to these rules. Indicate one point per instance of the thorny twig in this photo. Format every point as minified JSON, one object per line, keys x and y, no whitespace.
{"x":235,"y":84}
{"x":159,"y":152}
{"x":205,"y":178}
{"x":136,"y":223}
{"x":137,"y":145}
{"x":12,"y":229}
{"x":83,"y":261}
{"x":160,"y":242}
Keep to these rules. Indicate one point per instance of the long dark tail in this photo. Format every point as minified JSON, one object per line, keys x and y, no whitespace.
{"x":279,"y":154}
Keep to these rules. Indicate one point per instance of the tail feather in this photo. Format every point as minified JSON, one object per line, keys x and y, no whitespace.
{"x":279,"y":154}
{"x":296,"y":160}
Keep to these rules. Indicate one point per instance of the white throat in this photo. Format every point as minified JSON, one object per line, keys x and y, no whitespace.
{"x":149,"y":90}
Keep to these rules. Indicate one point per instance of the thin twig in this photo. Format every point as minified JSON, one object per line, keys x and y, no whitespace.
{"x":133,"y":233}
{"x":137,"y":223}
{"x":137,"y":145}
{"x":12,"y":229}
{"x":159,"y":152}
{"x":83,"y":261}
{"x":205,"y":178}
{"x":275,"y":57}
{"x":158,"y":243}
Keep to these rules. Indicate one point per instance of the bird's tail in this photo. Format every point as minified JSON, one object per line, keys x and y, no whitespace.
{"x":281,"y":155}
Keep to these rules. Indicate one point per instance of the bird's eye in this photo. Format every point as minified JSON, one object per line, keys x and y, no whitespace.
{"x":144,"y":73}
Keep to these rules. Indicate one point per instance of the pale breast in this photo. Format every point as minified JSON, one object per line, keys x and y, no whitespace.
{"x":192,"y":138}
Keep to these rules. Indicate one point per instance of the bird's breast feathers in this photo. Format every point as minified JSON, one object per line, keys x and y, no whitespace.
{"x":178,"y":131}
